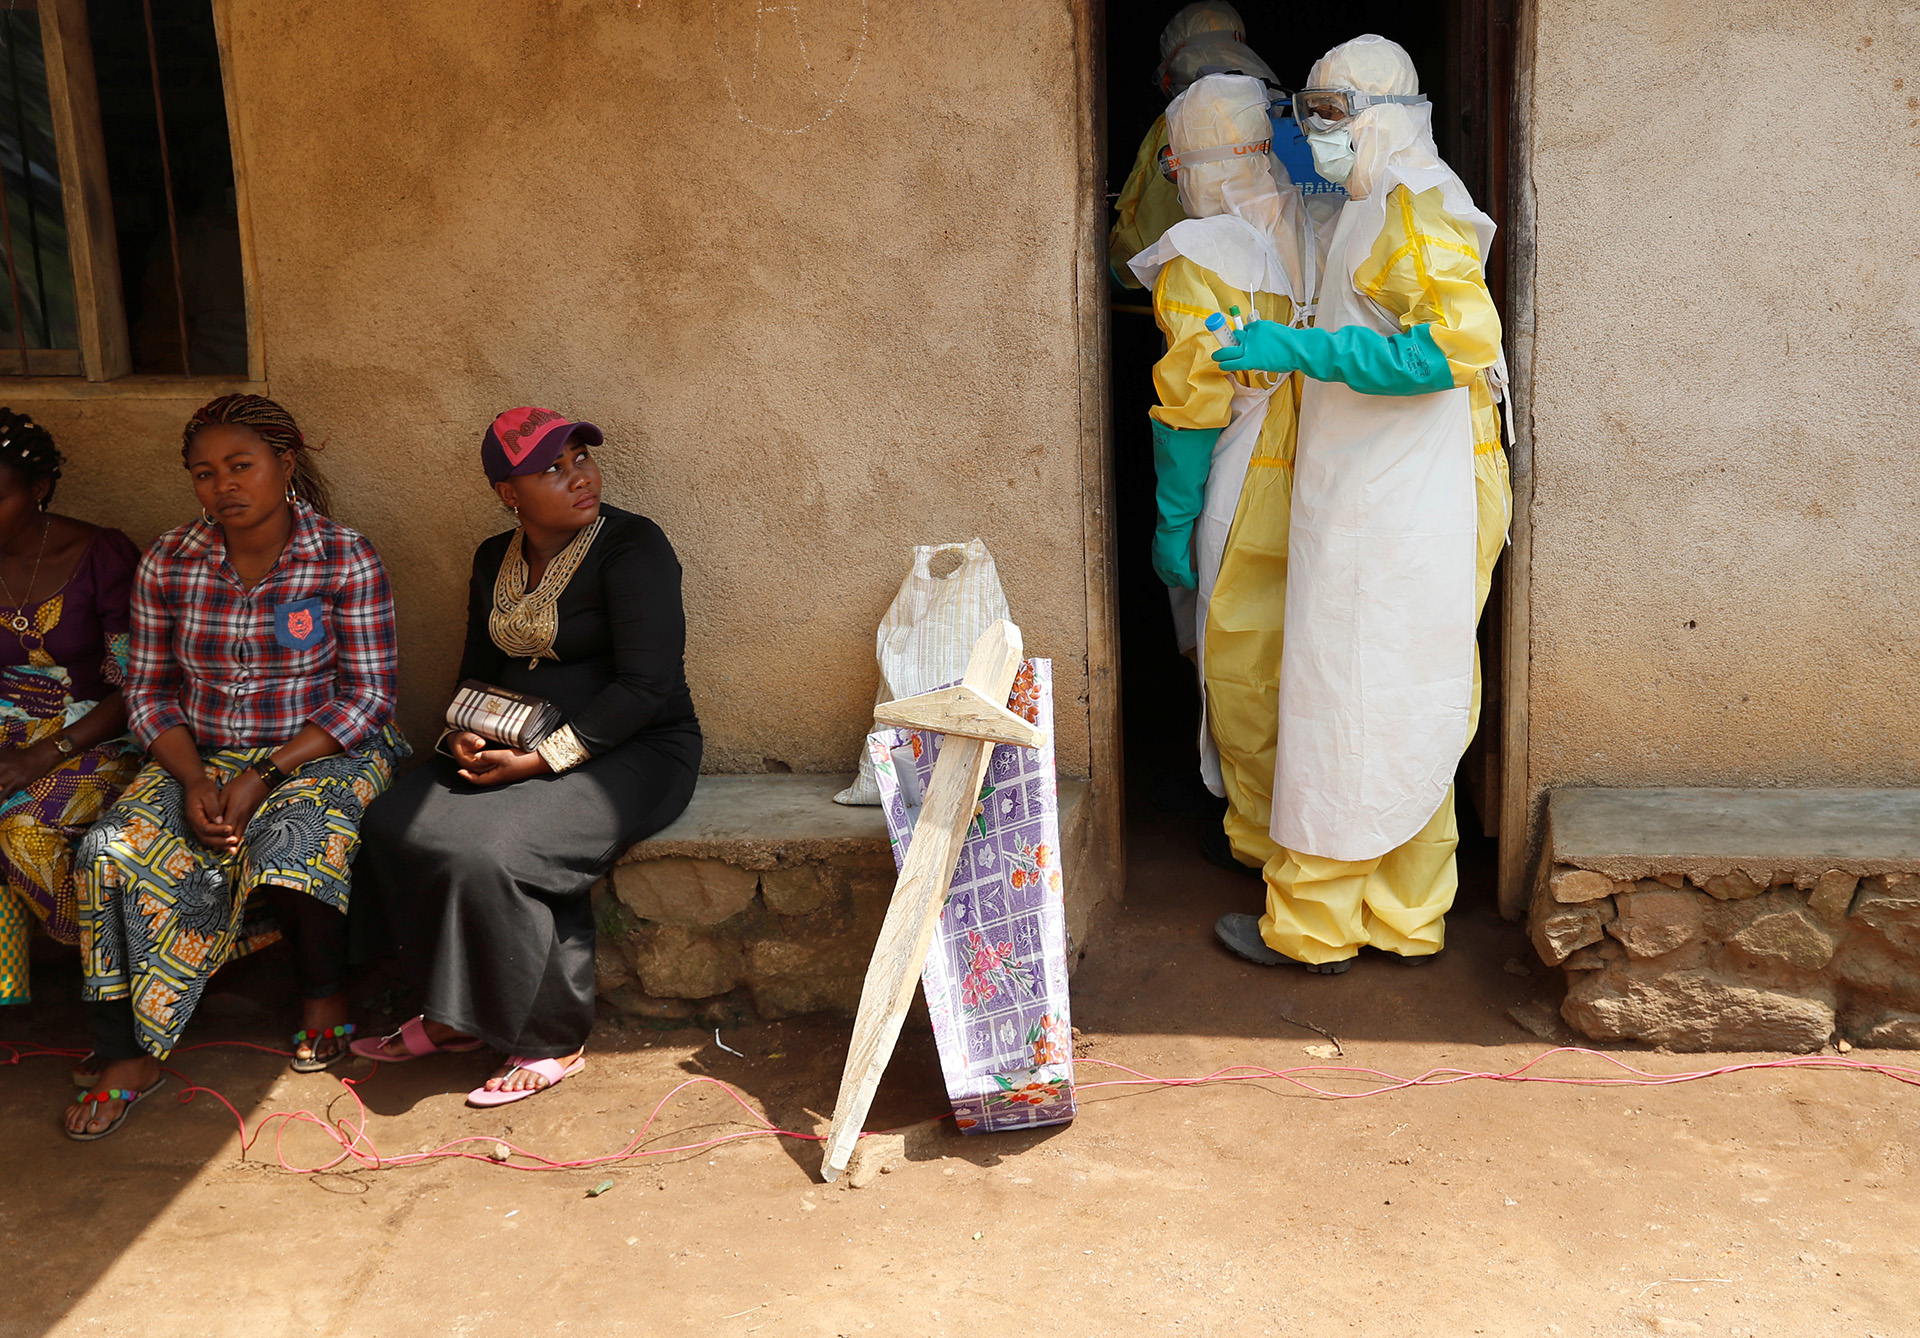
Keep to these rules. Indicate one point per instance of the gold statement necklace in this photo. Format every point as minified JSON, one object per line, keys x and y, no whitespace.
{"x":523,"y":621}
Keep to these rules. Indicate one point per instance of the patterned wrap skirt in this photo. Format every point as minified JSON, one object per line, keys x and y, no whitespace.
{"x":159,"y":913}
{"x":38,"y":826}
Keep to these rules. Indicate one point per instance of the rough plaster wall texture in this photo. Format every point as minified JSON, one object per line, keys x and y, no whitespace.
{"x":1727,"y":458}
{"x":123,"y":456}
{"x":811,"y":269}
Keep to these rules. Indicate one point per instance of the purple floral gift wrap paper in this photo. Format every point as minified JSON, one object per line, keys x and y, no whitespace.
{"x":996,"y":976}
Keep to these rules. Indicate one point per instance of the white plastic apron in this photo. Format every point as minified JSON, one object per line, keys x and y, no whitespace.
{"x":1226,"y":476}
{"x":1376,"y":682}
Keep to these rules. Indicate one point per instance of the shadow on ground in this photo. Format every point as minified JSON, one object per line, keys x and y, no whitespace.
{"x":1152,"y":969}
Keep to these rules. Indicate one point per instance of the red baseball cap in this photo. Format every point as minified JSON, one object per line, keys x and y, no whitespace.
{"x":527,"y":440}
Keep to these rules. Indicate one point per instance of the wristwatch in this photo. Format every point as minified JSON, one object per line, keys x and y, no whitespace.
{"x":63,"y":745}
{"x":270,"y":775}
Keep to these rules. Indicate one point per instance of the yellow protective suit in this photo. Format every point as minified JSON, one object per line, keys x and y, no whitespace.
{"x":1149,"y":204}
{"x":1248,"y":612}
{"x":1425,"y":270}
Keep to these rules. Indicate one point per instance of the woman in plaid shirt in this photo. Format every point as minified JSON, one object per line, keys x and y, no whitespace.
{"x":261,"y":679}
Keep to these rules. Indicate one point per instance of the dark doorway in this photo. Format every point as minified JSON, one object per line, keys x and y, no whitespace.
{"x":1464,"y":52}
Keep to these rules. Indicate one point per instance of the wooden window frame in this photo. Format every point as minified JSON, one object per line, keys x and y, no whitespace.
{"x":73,"y":94}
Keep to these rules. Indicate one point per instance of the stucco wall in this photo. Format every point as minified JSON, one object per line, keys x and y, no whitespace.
{"x":1727,"y":303}
{"x":820,"y":293}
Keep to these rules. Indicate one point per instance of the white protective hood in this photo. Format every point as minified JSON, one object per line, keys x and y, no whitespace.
{"x":1391,"y":135}
{"x":1245,"y":220}
{"x":1206,"y":37}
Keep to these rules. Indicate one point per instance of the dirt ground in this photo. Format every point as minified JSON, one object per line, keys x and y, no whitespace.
{"x":1774,"y":1202}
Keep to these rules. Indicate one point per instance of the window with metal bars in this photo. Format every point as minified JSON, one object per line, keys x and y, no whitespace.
{"x":120,"y":228}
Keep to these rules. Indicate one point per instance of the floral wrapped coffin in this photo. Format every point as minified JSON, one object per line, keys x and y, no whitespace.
{"x":996,"y":976}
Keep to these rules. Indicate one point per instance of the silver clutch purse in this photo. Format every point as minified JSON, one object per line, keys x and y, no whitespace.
{"x":501,"y":715}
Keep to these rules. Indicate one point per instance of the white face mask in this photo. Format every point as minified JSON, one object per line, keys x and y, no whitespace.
{"x":1332,"y":154}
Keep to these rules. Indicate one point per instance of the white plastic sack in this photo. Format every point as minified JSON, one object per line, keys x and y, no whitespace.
{"x":950,"y":597}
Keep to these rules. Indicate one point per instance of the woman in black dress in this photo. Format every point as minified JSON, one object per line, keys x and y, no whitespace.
{"x":484,"y":860}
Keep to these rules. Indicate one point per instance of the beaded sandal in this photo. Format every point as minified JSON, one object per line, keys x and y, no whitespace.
{"x":314,"y":1063}
{"x":92,"y":1100}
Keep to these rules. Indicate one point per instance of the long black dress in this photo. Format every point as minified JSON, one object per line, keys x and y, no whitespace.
{"x":485,"y":888}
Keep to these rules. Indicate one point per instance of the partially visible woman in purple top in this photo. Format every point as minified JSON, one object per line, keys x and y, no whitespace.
{"x":64,"y":751}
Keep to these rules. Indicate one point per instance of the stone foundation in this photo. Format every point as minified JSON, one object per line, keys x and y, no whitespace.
{"x":674,"y":932}
{"x":767,"y":895}
{"x":1734,"y":920}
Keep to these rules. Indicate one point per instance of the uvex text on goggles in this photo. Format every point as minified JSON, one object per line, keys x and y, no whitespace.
{"x":1321,"y":109}
{"x":1171,"y":162}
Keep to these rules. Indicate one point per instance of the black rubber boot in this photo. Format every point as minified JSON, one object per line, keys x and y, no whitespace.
{"x":1217,"y":850}
{"x":1241,"y":934}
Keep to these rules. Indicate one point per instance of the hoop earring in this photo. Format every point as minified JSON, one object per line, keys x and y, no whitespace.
{"x":292,"y":495}
{"x":207,"y":516}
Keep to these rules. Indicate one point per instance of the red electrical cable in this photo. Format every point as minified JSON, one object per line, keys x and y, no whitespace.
{"x":356,"y":1146}
{"x":351,"y":1135}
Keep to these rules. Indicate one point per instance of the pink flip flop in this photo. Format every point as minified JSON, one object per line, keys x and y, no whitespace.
{"x":549,"y":1069}
{"x":413,"y":1036}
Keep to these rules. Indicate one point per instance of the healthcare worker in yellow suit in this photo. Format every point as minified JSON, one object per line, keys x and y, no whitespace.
{"x":1400,"y":508}
{"x":1203,"y":38}
{"x":1223,"y":441}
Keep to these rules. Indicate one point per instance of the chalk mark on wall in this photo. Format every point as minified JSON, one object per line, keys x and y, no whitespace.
{"x":791,"y":13}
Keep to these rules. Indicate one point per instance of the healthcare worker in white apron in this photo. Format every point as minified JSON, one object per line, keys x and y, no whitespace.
{"x":1401,"y":505}
{"x":1223,"y":441}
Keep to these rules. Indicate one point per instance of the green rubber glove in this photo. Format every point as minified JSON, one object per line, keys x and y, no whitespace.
{"x":1181,"y":459}
{"x":1370,"y":362}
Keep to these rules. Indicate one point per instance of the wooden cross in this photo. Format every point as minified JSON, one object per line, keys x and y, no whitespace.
{"x":973,"y":717}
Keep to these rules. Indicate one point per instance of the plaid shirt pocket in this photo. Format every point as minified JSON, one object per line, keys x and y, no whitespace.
{"x":300,"y":624}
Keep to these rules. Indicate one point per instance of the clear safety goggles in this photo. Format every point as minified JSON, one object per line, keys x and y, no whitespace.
{"x":1321,"y":109}
{"x":1171,"y":163}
